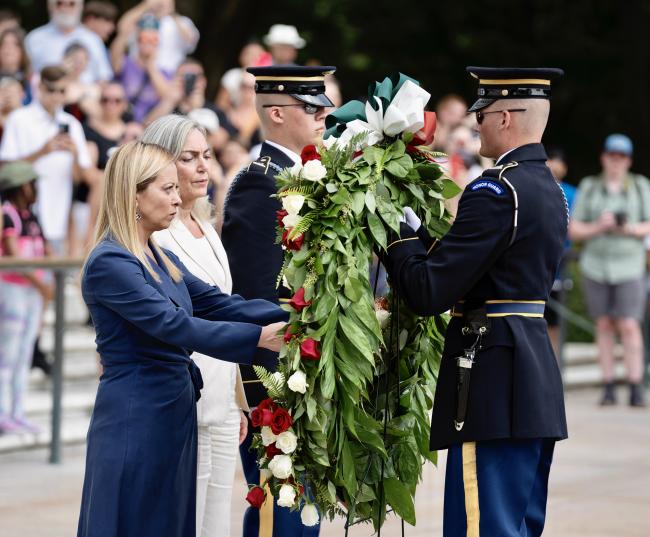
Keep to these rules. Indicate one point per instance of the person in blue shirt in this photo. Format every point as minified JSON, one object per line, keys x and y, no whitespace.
{"x":150,"y":313}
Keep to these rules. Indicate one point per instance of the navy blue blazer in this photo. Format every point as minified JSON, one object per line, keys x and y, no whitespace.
{"x":516,"y":386}
{"x":141,"y":459}
{"x":248,"y":236}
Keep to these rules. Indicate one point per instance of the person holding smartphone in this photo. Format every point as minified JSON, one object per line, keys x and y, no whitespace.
{"x":54,"y":143}
{"x":612,"y":217}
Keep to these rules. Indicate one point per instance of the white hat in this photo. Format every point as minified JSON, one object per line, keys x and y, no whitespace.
{"x":205,"y":117}
{"x":284,"y":34}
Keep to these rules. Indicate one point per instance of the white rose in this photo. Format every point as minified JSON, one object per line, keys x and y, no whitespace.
{"x":298,"y":382}
{"x":287,"y":496}
{"x":382,"y":316}
{"x":281,"y":466}
{"x":296,"y":169}
{"x":267,"y":436}
{"x":309,"y":515}
{"x":313,"y":170}
{"x":287,"y":442}
{"x":291,"y":220}
{"x":293,"y":203}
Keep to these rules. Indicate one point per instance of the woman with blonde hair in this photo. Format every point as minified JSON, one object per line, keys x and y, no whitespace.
{"x":192,"y":237}
{"x":150,"y":312}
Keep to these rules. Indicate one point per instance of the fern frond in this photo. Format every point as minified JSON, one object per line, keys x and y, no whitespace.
{"x":273,"y":382}
{"x":305,"y":223}
{"x":303,"y":187}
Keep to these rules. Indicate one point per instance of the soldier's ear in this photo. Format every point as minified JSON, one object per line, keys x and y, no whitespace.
{"x":276,"y":114}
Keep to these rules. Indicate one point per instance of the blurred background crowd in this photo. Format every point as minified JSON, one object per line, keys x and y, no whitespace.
{"x":94,"y":76}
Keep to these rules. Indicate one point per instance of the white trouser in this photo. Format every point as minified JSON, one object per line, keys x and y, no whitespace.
{"x":217,"y":458}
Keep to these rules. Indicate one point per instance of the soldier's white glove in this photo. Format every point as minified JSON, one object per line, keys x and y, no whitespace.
{"x":411,"y":219}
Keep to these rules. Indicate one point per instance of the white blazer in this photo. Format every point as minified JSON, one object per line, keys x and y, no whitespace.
{"x":215,"y":401}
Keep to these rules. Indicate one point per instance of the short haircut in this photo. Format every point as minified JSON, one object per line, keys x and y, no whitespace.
{"x":74,"y":47}
{"x":9,"y":15}
{"x":450,"y":98}
{"x":556,"y":153}
{"x":52,"y":73}
{"x":100,"y":10}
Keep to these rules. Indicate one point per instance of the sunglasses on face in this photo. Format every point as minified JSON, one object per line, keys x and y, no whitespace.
{"x":111,"y":100}
{"x":54,"y":89}
{"x":480,"y":116}
{"x":308,"y":108}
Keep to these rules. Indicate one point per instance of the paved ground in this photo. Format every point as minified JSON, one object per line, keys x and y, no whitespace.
{"x":600,"y":484}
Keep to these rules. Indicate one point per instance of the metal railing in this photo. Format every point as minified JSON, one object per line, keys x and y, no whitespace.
{"x":59,"y":267}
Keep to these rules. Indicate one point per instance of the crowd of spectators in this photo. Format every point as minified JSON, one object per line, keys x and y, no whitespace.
{"x":89,"y":80}
{"x":71,"y":92}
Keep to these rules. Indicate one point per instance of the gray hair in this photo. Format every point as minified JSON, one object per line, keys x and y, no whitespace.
{"x":170,"y":132}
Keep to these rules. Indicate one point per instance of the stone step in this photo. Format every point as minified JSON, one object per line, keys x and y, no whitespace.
{"x":73,"y":431}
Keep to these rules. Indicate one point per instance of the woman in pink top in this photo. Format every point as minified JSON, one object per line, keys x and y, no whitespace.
{"x":21,"y":293}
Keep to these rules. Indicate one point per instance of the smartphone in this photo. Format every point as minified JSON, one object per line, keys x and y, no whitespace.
{"x":189,"y":81}
{"x":64,"y":128}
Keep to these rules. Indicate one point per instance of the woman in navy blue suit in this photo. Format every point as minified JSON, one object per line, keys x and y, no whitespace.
{"x":150,"y":313}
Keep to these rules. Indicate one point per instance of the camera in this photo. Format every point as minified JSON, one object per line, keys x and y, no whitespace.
{"x":621,"y":219}
{"x":189,"y":81}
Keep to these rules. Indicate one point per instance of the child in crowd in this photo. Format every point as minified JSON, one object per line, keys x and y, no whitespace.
{"x":22,"y":294}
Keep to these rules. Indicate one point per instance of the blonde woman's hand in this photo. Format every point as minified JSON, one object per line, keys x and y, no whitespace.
{"x":271,"y":337}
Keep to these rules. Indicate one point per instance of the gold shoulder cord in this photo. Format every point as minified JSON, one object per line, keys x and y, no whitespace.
{"x":402,"y":240}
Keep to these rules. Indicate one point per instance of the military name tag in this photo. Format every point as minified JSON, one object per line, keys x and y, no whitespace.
{"x":488,"y":185}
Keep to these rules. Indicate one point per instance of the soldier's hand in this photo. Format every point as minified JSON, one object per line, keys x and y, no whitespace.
{"x":411,"y":219}
{"x":606,"y":222}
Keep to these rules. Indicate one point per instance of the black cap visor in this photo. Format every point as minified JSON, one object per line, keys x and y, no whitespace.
{"x":480,"y":104}
{"x":317,"y":100}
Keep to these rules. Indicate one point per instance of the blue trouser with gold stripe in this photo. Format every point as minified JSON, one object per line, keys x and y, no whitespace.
{"x":269,"y":520}
{"x":497,"y":488}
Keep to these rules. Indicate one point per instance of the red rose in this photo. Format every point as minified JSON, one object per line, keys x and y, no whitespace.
{"x":280,"y":215}
{"x":268,"y":403}
{"x":256,"y":497}
{"x":309,"y":152}
{"x":281,"y":421}
{"x":261,"y":417}
{"x":309,"y":349}
{"x":292,"y":244}
{"x":272,"y":451}
{"x":297,"y":301}
{"x":289,"y":335}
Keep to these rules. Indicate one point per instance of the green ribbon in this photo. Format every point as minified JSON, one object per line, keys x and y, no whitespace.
{"x":336,"y":122}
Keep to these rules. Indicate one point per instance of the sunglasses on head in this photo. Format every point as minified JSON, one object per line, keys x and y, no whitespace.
{"x":480,"y":115}
{"x":308,"y":108}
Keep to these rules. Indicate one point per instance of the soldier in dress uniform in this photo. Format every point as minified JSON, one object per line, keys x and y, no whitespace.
{"x":292,"y":106}
{"x":499,"y":405}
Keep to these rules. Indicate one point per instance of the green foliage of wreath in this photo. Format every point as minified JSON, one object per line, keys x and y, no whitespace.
{"x":365,"y":410}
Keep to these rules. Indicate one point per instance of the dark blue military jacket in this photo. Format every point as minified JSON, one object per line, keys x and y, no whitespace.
{"x":248,"y":235}
{"x":516,"y":386}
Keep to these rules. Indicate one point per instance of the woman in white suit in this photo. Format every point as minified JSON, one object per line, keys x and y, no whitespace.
{"x":192,"y":237}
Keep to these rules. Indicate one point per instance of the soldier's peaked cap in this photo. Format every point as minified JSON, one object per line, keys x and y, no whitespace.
{"x":305,"y":83}
{"x":496,"y":83}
